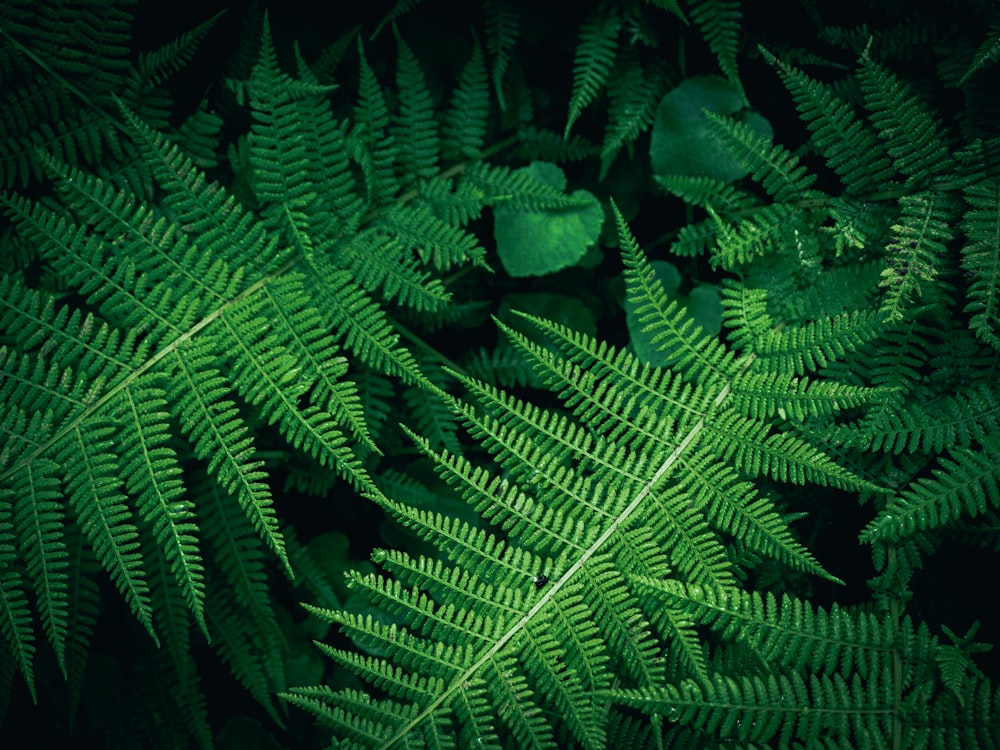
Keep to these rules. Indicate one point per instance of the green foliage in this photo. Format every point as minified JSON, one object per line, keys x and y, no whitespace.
{"x":534,"y":243}
{"x":683,"y":143}
{"x":576,"y":403}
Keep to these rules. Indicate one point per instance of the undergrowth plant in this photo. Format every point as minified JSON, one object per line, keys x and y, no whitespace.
{"x":621,"y":380}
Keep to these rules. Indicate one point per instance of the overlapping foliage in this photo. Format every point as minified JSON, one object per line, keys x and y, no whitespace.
{"x":586,"y":538}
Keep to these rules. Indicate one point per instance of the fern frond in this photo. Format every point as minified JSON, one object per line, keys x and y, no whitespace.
{"x":988,"y":52}
{"x":500,"y":366}
{"x":764,"y":395}
{"x":414,"y":129}
{"x":84,"y":608}
{"x":503,"y":27}
{"x":250,"y":644}
{"x":772,"y":165}
{"x":58,"y":70}
{"x":155,"y":67}
{"x":965,"y":486}
{"x":955,"y":419}
{"x":634,"y":95}
{"x":695,"y":239}
{"x":464,"y":133}
{"x":849,"y":147}
{"x":364,"y":326}
{"x":767,"y":231}
{"x":16,"y":617}
{"x":719,"y":23}
{"x":518,"y":189}
{"x":376,"y":147}
{"x":205,"y":208}
{"x":915,"y":143}
{"x":774,"y":708}
{"x":592,"y":63}
{"x":176,"y":663}
{"x":436,"y":242}
{"x":639,"y":469}
{"x":399,"y":9}
{"x":297,"y":151}
{"x":268,"y":377}
{"x":105,"y":517}
{"x":788,"y":632}
{"x":151,"y":472}
{"x":796,"y":349}
{"x":39,"y":518}
{"x":672,"y":331}
{"x":540,"y":144}
{"x":300,"y":328}
{"x":431,"y":416}
{"x":917,"y":251}
{"x":783,"y":456}
{"x":723,"y":197}
{"x":981,"y":259}
{"x":210,"y":419}
{"x":239,"y":552}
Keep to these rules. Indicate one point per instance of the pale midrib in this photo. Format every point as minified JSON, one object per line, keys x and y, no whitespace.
{"x":556,"y":584}
{"x":136,"y":374}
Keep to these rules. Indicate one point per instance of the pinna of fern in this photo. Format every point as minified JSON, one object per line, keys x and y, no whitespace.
{"x":814,"y":677}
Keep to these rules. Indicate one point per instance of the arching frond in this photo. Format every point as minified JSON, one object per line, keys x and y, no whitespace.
{"x":595,"y":55}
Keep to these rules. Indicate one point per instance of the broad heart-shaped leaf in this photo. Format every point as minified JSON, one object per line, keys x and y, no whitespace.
{"x":682,"y":142}
{"x":535,"y":243}
{"x":704,"y":306}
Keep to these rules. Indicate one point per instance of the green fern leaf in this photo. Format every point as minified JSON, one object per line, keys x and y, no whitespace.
{"x":297,"y":151}
{"x":105,"y":518}
{"x":252,"y":646}
{"x":155,"y":67}
{"x":38,"y":519}
{"x":778,"y":171}
{"x":210,"y":419}
{"x":981,"y":259}
{"x":917,"y":147}
{"x":58,"y":70}
{"x":519,"y":189}
{"x":634,"y":96}
{"x":208,"y":211}
{"x":176,"y":658}
{"x":151,"y":472}
{"x":437,"y":242}
{"x":464,"y":133}
{"x":84,"y":608}
{"x":365,"y":328}
{"x":951,"y":420}
{"x":796,"y":349}
{"x":16,"y":617}
{"x":850,"y":149}
{"x":503,"y":26}
{"x":415,"y":128}
{"x":376,"y":147}
{"x":965,"y":486}
{"x":592,"y":63}
{"x":916,"y":252}
{"x":669,"y":326}
{"x":719,"y":23}
{"x":761,"y":709}
{"x":988,"y":51}
{"x":769,"y":230}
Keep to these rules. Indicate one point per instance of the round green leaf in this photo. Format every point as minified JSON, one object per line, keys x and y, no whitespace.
{"x":682,"y":143}
{"x":535,"y":243}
